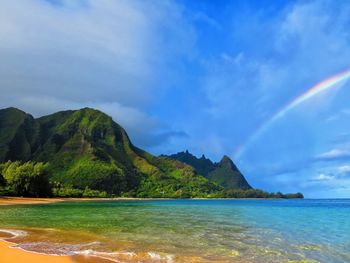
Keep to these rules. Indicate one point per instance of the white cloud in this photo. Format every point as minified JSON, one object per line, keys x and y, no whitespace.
{"x":344,"y":169}
{"x":324,"y":177}
{"x":334,"y":154}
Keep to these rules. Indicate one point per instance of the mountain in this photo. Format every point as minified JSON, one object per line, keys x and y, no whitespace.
{"x":224,"y":173}
{"x":227,"y":175}
{"x":18,"y":133}
{"x":84,"y":153}
{"x":202,"y":165}
{"x":86,"y":149}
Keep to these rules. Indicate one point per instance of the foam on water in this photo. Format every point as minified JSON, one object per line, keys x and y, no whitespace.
{"x":14,"y":233}
{"x":156,"y":256}
{"x":58,"y":249}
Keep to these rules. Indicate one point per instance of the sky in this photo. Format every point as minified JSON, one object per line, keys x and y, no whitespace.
{"x":200,"y":75}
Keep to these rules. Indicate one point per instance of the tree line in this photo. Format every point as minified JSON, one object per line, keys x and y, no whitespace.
{"x":32,"y":179}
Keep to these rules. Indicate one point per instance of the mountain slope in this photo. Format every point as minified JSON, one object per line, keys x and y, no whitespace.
{"x":18,"y":134}
{"x":227,"y":175}
{"x":224,"y":173}
{"x":86,"y":148}
{"x":202,"y":165}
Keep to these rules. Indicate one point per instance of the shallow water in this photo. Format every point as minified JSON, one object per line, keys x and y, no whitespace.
{"x":186,"y":230}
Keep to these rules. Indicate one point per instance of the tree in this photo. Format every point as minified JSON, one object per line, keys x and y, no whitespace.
{"x":2,"y":180}
{"x":28,"y":179}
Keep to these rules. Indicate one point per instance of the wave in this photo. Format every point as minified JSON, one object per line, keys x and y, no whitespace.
{"x":87,"y":249}
{"x":156,"y":256}
{"x":14,"y":233}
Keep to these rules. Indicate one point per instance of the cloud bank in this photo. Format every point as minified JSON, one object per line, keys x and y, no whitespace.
{"x":117,"y":56}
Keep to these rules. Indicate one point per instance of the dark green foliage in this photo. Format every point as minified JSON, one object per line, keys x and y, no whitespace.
{"x":67,"y":192}
{"x":93,"y":174}
{"x":77,"y":193}
{"x":227,"y":175}
{"x":18,"y":135}
{"x":297,"y":195}
{"x":2,"y":185}
{"x":2,"y":179}
{"x":224,"y":173}
{"x":202,"y":165}
{"x":28,"y":179}
{"x":257,"y":193}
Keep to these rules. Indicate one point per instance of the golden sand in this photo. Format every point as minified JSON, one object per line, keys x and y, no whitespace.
{"x":16,"y":255}
{"x":25,"y":200}
{"x":28,"y":200}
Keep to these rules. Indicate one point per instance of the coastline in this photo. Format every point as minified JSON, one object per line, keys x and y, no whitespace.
{"x":10,"y":254}
{"x":8,"y":200}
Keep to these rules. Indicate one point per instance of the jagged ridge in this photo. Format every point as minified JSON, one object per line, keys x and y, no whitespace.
{"x":224,"y":173}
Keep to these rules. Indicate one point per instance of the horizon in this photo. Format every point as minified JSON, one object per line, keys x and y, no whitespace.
{"x":265,"y":83}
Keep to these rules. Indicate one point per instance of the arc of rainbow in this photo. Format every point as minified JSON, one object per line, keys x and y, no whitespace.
{"x":314,"y":90}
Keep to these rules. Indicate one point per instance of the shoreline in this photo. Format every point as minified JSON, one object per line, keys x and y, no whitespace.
{"x":9,"y":200}
{"x":13,"y":254}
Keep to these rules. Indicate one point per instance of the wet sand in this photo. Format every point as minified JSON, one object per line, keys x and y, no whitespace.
{"x":7,"y":200}
{"x":26,"y":200}
{"x":16,"y":255}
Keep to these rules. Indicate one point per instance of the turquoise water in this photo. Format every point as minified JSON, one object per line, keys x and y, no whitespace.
{"x":187,"y":230}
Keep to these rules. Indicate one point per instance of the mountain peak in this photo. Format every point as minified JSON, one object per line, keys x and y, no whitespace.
{"x":225,"y":160}
{"x":224,"y":173}
{"x":202,"y":165}
{"x":13,"y":110}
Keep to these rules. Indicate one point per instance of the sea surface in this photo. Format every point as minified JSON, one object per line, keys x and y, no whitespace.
{"x":185,"y":230}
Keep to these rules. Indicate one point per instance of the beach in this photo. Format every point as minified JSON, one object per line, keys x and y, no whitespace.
{"x":10,"y":254}
{"x":32,"y":201}
{"x":16,"y":255}
{"x":26,"y":200}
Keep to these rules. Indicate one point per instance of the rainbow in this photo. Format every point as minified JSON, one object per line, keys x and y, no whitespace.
{"x":314,"y":90}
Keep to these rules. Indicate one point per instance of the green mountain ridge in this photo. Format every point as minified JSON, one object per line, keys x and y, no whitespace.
{"x":225,"y":173}
{"x":87,"y":149}
{"x":85,"y":153}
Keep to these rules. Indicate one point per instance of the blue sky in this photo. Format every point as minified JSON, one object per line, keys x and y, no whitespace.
{"x":197,"y":75}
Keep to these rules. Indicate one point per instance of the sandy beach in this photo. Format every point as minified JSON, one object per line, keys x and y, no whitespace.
{"x":16,"y":255}
{"x":7,"y":200}
{"x":8,"y":254}
{"x":26,"y":200}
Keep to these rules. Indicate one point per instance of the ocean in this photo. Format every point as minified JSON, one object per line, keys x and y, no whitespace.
{"x":300,"y":230}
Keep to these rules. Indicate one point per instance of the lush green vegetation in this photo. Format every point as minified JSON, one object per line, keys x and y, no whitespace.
{"x":84,"y":153}
{"x":28,"y":179}
{"x":32,"y":179}
{"x":224,"y":173}
{"x":202,"y":165}
{"x":256,"y":193}
{"x":74,"y":192}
